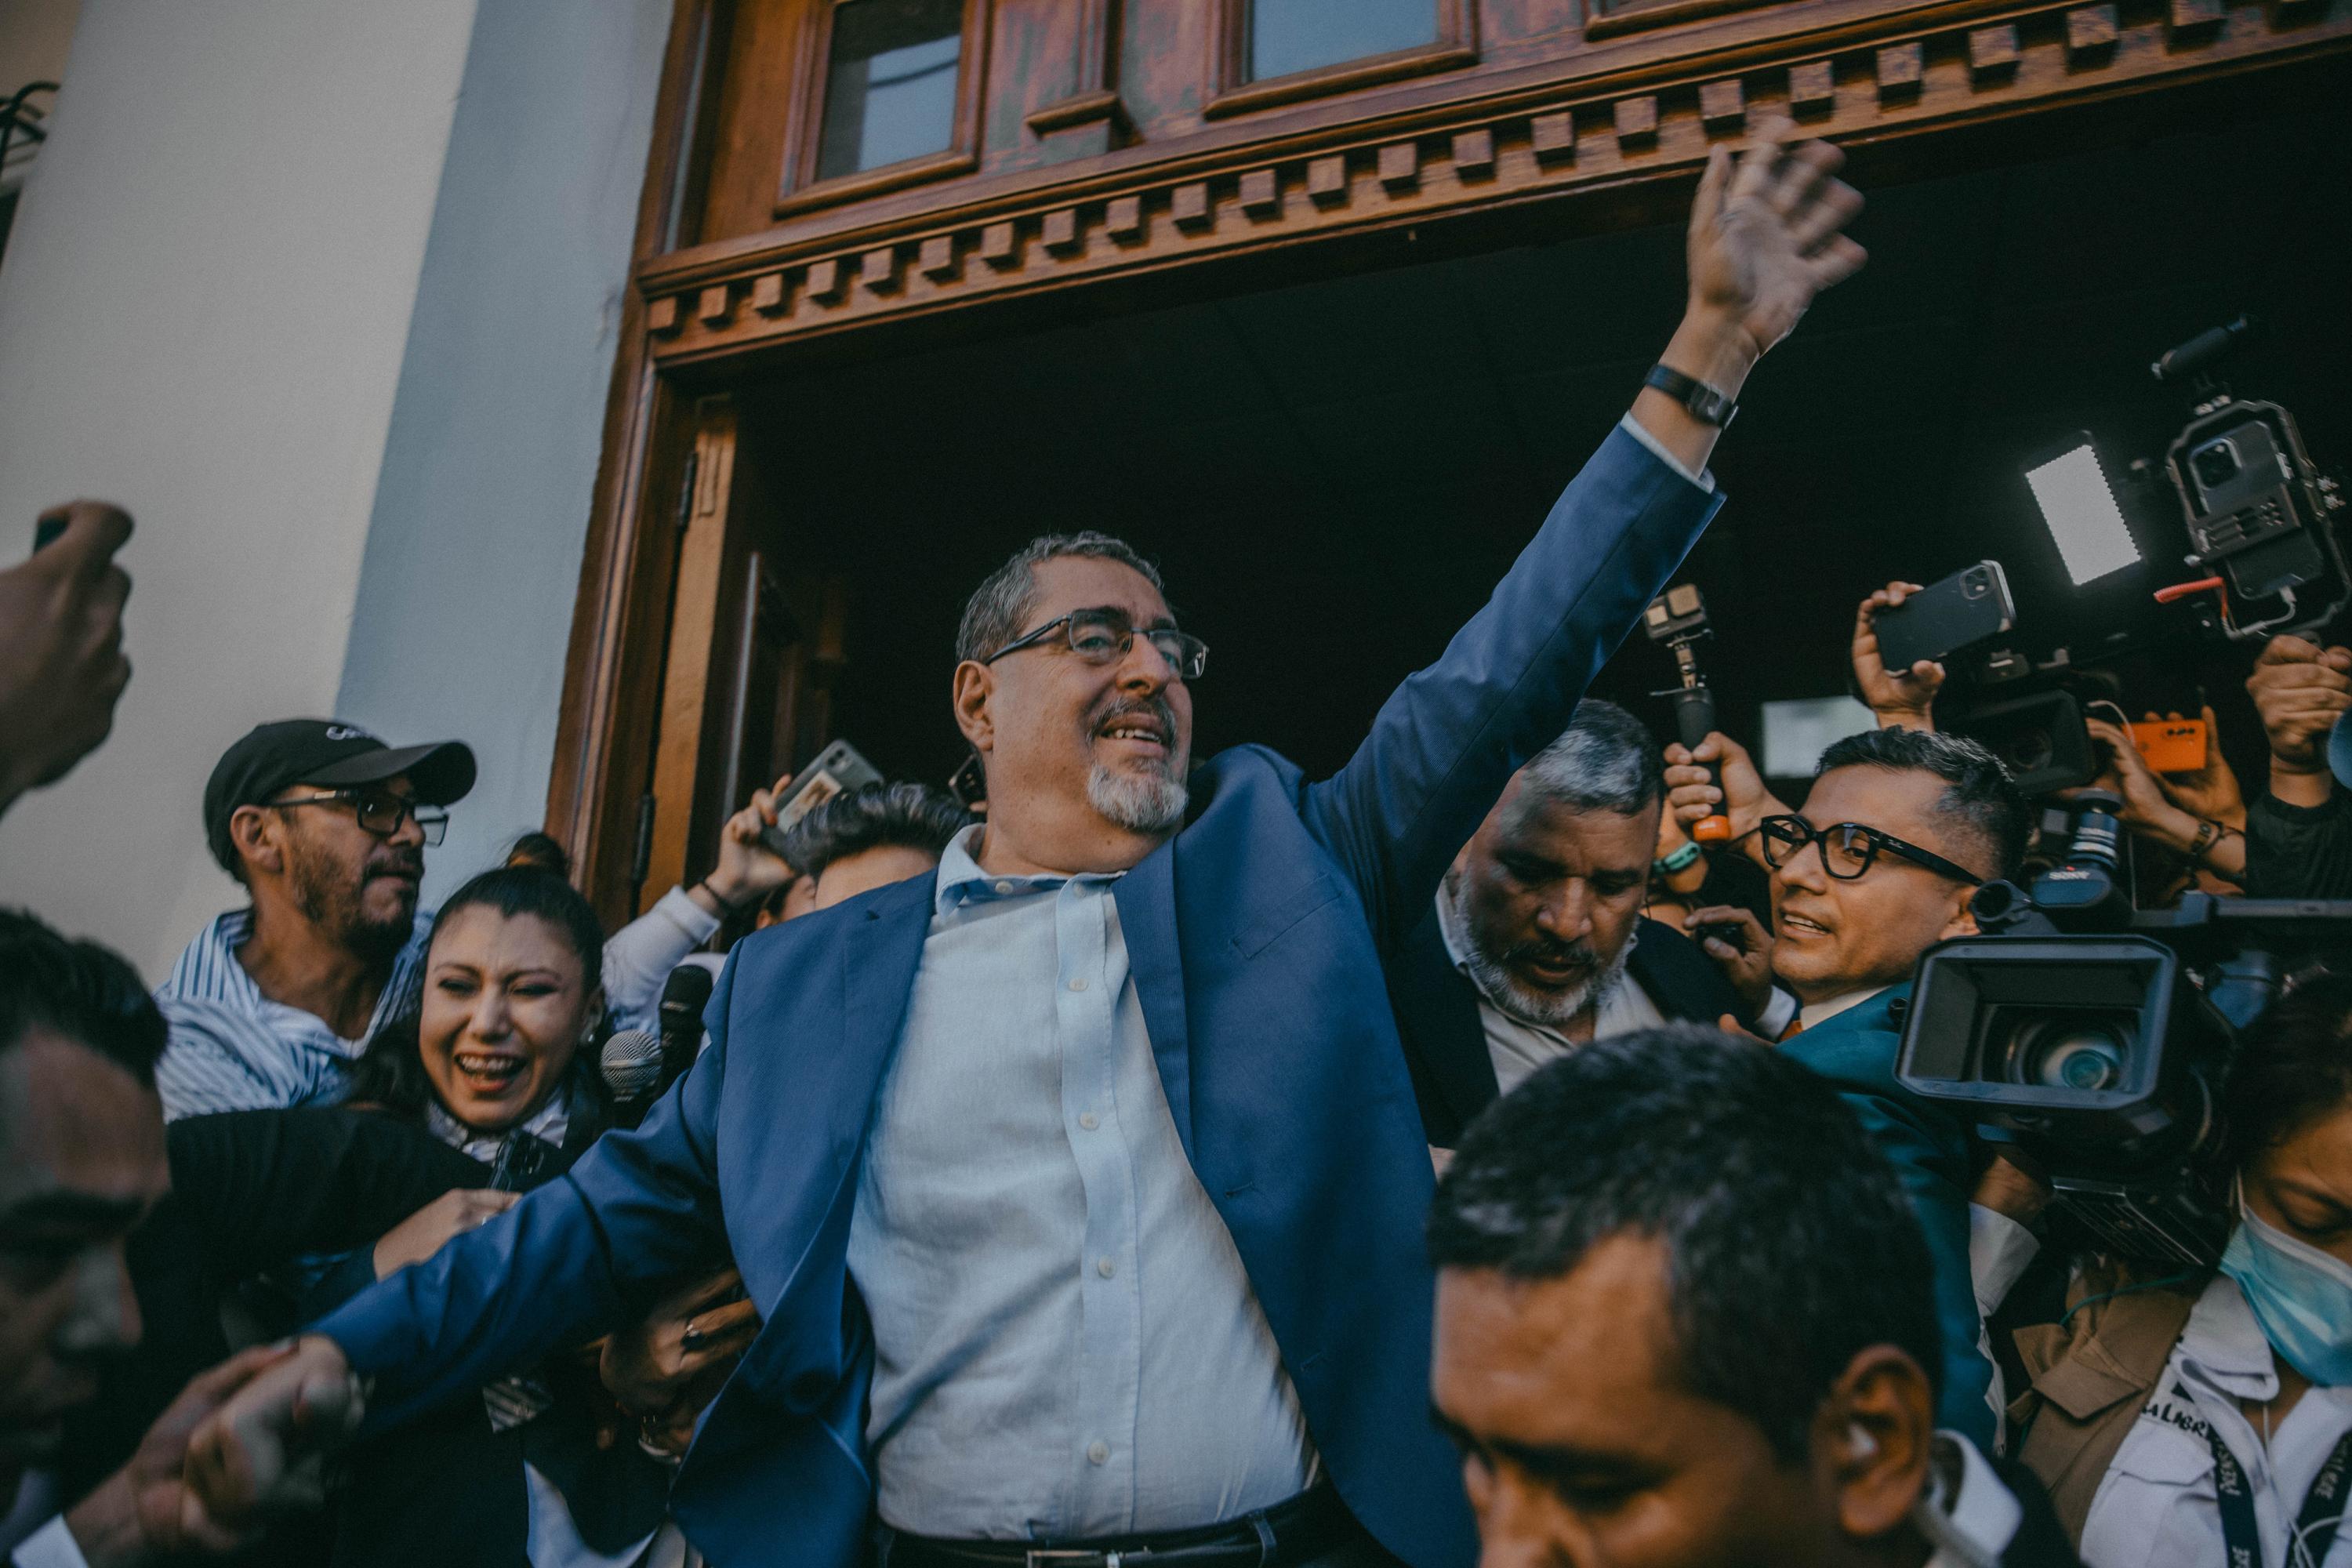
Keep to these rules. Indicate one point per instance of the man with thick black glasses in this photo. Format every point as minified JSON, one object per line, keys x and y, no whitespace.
{"x":1898,"y":830}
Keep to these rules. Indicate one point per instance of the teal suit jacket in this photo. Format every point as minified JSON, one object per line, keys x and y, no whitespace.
{"x":1930,"y":1149}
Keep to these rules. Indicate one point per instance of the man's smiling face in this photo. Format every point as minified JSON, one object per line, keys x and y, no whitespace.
{"x":1834,"y":935}
{"x":1113,"y":740}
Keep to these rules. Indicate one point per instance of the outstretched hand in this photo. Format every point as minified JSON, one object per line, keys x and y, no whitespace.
{"x":1765,"y":234}
{"x":250,"y":1454}
{"x":147,"y":1509}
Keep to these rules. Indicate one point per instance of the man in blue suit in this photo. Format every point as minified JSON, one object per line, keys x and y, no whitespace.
{"x":1080,"y":1185}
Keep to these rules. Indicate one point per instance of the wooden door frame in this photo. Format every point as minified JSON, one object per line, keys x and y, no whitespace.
{"x":1416,"y":164}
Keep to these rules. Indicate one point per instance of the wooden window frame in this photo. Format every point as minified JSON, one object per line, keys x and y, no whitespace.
{"x":1644,"y":14}
{"x":1456,"y":46}
{"x":801,"y":189}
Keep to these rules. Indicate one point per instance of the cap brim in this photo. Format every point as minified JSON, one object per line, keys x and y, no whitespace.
{"x":443,"y":771}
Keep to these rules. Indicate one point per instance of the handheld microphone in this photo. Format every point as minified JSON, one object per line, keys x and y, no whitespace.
{"x":632,"y":1065}
{"x":1678,"y":619}
{"x":683,"y":999}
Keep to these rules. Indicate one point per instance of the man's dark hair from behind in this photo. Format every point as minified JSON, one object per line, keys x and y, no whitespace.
{"x":1791,"y":1246}
{"x":1606,"y":760}
{"x":886,"y":815}
{"x":78,"y":990}
{"x":1981,"y":801}
{"x":992,"y":617}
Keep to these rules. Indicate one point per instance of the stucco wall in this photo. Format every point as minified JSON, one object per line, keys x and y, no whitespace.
{"x":465,"y":599}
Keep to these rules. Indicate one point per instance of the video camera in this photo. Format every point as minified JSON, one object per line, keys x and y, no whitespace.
{"x":2093,"y":1037}
{"x":2260,"y":518}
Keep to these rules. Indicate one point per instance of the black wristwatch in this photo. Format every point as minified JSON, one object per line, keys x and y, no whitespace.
{"x":1705,"y":404}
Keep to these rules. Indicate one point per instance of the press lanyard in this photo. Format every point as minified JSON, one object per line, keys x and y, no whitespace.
{"x":2314,"y":1527}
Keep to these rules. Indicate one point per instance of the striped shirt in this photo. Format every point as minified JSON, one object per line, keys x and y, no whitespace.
{"x":233,"y":1049}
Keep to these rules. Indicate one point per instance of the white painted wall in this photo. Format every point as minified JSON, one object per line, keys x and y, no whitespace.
{"x":204,"y":309}
{"x":464,"y":601}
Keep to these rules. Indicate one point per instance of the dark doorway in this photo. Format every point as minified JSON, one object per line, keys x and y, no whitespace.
{"x":1334,"y":474}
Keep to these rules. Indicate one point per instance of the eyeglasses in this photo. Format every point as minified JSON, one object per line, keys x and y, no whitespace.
{"x":381,"y":811}
{"x":1103,"y":636}
{"x":1848,"y":849}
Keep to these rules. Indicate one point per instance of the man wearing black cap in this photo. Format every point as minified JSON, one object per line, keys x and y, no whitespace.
{"x":326,"y":827}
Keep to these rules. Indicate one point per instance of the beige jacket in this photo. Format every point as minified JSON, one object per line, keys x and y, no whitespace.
{"x":2090,"y":1377}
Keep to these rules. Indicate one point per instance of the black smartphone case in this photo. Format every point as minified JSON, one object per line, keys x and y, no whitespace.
{"x":1965,"y":607}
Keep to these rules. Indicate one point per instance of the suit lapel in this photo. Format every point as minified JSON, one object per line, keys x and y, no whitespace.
{"x":1147,"y":917}
{"x":880,"y":960}
{"x":1438,"y":1007}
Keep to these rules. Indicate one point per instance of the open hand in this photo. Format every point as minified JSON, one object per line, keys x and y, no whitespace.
{"x":1765,"y":233}
{"x":427,"y":1231}
{"x":1905,"y":697}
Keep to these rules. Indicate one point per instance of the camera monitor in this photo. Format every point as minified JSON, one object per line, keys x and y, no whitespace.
{"x":2079,"y":508}
{"x":1797,"y":732}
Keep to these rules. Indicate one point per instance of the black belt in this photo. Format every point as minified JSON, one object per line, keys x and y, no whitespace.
{"x":1296,"y":1531}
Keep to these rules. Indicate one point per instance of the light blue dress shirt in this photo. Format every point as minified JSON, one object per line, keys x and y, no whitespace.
{"x":1067,"y":1346}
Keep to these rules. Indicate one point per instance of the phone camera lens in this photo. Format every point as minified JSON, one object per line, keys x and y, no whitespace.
{"x":2215,"y":463}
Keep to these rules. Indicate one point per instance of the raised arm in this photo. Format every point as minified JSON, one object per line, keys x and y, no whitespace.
{"x":1764,"y":239}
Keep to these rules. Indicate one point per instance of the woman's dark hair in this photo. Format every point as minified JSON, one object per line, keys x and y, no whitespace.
{"x":541,"y":852}
{"x":391,"y":1072}
{"x":2295,"y":1069}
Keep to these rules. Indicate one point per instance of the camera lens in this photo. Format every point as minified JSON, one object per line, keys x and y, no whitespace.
{"x":2069,"y":1051}
{"x":1976,"y":584}
{"x":2214,"y":463}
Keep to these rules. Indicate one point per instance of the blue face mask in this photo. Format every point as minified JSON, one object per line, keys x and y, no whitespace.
{"x":2301,"y":1296}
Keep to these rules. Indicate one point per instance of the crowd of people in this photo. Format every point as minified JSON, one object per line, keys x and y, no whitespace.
{"x":1449,"y":1160}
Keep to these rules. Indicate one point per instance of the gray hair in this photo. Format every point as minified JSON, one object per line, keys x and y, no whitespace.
{"x":993,"y":615}
{"x":1605,"y":760}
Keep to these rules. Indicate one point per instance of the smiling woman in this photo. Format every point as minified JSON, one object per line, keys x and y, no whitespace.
{"x":512,"y":990}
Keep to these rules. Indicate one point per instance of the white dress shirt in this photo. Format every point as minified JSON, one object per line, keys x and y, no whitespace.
{"x":2157,"y":1503}
{"x":1067,"y":1345}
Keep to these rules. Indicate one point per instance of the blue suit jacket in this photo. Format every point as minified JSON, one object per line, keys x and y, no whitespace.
{"x":1928,"y":1148}
{"x":1256,"y":938}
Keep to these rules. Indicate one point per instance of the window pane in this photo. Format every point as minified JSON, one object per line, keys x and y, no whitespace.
{"x":1287,"y":36}
{"x":890,"y":84}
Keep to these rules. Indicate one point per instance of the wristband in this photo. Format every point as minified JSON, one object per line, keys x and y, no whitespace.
{"x":1674,"y":860}
{"x":1705,"y":404}
{"x":726,"y":910}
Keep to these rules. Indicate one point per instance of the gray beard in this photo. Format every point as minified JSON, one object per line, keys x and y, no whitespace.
{"x":1552,"y":1009}
{"x":1137,"y":802}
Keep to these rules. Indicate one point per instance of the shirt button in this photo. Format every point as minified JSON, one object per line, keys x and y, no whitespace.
{"x":1090,"y":1122}
{"x":1098,"y":1452}
{"x":1106,"y":1267}
{"x":1003,"y":887}
{"x":1079,"y":984}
